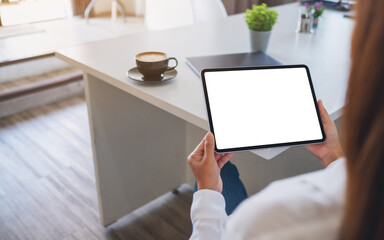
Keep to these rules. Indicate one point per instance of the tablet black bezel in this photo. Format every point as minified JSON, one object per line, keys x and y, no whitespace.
{"x":266,"y":145}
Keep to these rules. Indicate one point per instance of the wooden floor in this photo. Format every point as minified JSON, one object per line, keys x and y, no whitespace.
{"x":31,"y":80}
{"x":47,"y":183}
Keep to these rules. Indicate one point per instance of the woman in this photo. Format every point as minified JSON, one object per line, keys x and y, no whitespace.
{"x":343,"y":201}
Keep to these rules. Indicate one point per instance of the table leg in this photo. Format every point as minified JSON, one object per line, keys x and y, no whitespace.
{"x":114,"y":10}
{"x":88,"y":10}
{"x":117,"y":5}
{"x":139,"y":149}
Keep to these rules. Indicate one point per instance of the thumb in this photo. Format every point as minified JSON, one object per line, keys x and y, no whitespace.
{"x":209,"y":146}
{"x":324,"y":113}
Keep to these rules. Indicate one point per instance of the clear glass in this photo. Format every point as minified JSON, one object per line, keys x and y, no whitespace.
{"x":305,"y":21}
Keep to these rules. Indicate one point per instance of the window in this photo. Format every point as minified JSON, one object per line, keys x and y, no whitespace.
{"x":14,"y":12}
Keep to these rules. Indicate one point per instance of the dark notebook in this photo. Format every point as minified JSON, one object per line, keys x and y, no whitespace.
{"x":231,"y":60}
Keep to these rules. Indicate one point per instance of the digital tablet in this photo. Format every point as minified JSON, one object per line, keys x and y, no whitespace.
{"x":261,"y":107}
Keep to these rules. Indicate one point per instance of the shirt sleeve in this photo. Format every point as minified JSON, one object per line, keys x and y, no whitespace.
{"x":208,"y":215}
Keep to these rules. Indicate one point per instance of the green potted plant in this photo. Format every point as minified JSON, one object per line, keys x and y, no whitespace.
{"x":260,"y":20}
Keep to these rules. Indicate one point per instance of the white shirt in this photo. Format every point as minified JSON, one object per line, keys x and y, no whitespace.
{"x":308,"y":206}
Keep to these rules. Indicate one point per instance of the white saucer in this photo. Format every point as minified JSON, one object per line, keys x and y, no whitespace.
{"x":134,"y":74}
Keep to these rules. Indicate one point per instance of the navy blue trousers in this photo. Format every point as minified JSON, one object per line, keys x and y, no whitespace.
{"x":234,"y":191}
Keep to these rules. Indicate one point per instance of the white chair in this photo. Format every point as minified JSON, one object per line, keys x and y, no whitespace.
{"x":208,"y":10}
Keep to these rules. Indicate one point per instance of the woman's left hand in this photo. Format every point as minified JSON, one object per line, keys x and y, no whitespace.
{"x":206,"y":164}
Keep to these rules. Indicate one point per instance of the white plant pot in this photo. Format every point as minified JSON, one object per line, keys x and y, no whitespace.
{"x":259,"y":40}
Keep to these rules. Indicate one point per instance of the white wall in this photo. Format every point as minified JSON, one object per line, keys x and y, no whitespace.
{"x":132,"y":7}
{"x":164,"y":14}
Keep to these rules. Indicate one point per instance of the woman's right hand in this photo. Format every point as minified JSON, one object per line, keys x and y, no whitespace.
{"x":206,"y":164}
{"x":330,"y":150}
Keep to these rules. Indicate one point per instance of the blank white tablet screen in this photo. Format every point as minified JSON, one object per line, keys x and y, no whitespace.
{"x":261,"y":107}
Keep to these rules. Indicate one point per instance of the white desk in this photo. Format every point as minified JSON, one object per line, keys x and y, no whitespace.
{"x":141,"y":134}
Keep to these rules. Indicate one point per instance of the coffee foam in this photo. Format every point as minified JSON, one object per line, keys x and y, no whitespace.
{"x":151,"y":57}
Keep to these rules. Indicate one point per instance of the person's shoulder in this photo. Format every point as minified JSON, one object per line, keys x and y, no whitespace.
{"x":288,"y":204}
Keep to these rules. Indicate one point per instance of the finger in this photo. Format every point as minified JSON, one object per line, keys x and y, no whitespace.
{"x":323,"y":112}
{"x":209,"y":147}
{"x":218,"y":155}
{"x":222,"y":161}
{"x":200,"y":147}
